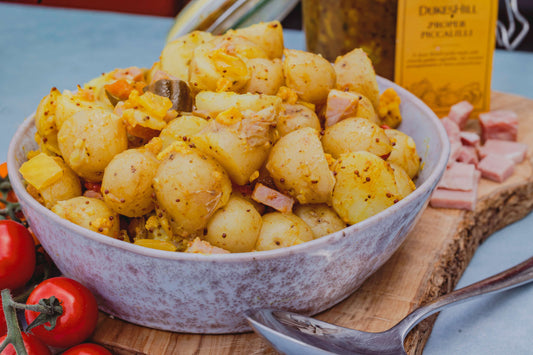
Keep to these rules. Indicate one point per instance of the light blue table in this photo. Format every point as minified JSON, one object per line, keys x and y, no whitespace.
{"x":45,"y":47}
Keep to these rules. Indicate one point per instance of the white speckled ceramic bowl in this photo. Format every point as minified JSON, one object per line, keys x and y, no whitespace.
{"x":208,"y":293}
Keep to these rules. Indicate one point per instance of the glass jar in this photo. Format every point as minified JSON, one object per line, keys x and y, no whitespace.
{"x":335,"y":27}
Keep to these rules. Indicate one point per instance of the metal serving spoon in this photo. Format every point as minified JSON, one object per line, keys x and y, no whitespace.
{"x":291,"y":333}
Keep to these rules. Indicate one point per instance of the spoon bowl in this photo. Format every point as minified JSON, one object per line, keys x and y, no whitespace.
{"x":292,"y":333}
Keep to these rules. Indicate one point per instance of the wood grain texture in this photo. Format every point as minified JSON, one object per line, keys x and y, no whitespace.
{"x":428,"y":264}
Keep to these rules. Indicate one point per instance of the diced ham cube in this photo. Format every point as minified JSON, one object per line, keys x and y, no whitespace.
{"x":452,"y":129}
{"x":496,"y":167}
{"x":463,"y":200}
{"x":455,"y":151}
{"x":513,"y":150}
{"x":460,"y":176}
{"x":470,"y":138}
{"x":468,"y":155}
{"x":460,"y":112}
{"x":131,"y":73}
{"x":340,"y":105}
{"x":272,"y":198}
{"x":499,"y":124}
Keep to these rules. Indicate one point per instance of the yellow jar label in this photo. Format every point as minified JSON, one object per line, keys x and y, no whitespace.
{"x":444,"y":51}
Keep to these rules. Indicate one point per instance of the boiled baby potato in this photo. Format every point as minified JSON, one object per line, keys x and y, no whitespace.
{"x":266,"y":76}
{"x":355,"y":72}
{"x":403,"y":152}
{"x":309,"y":75}
{"x":189,"y":187}
{"x":365,"y":186}
{"x":239,"y":141}
{"x":235,"y":44}
{"x":211,"y":103}
{"x":89,"y":139}
{"x":90,"y":213}
{"x":67,"y":187}
{"x":321,"y":218}
{"x":354,"y":134}
{"x":234,"y":227}
{"x":45,"y":123}
{"x":267,"y":35}
{"x":176,"y":56}
{"x":221,"y":64}
{"x":403,"y":181}
{"x":181,"y":129}
{"x":299,"y":167}
{"x":296,"y":116}
{"x":280,"y":230}
{"x":127,"y":182}
{"x":69,"y":103}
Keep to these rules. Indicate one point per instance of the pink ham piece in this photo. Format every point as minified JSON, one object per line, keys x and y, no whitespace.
{"x":499,"y":124}
{"x":462,"y":200}
{"x":457,"y":199}
{"x":131,"y":73}
{"x":460,"y":112}
{"x":453,"y":130}
{"x":455,"y":152}
{"x":496,"y":167}
{"x":470,"y":138}
{"x":468,"y":155}
{"x":272,"y":198}
{"x":340,"y":105}
{"x":460,"y":176}
{"x":514,"y":151}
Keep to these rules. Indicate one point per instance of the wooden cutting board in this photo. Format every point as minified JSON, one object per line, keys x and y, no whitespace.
{"x":428,"y":264}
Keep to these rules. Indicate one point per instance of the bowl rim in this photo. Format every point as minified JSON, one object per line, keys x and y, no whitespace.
{"x":316,"y":244}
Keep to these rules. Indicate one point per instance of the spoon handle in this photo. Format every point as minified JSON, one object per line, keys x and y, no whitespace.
{"x":510,"y":278}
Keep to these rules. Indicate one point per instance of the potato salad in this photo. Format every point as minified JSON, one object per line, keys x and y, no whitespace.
{"x":227,"y":144}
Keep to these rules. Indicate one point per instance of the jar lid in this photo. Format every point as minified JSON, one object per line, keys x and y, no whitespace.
{"x":218,"y":16}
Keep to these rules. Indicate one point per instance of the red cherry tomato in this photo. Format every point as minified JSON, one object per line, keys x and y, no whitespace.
{"x":87,"y":349}
{"x":79,"y":317}
{"x":17,"y":255}
{"x":33,"y":346}
{"x":3,"y":325}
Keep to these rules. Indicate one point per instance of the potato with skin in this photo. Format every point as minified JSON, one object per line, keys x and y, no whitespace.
{"x":89,"y":139}
{"x":221,"y":64}
{"x":403,"y":181}
{"x":127,"y":182}
{"x":355,"y":72}
{"x":267,"y":35}
{"x":190,"y":200}
{"x":176,"y":56}
{"x":354,"y":134}
{"x":309,"y":75}
{"x":69,"y":103}
{"x":211,"y":103}
{"x":67,"y":187}
{"x":365,"y":186}
{"x":181,"y":129}
{"x":280,"y":230}
{"x":90,"y":213}
{"x":403,"y":152}
{"x":234,"y":227}
{"x":266,"y":76}
{"x":241,"y":147}
{"x":296,"y":116}
{"x":299,"y":167}
{"x":321,"y":218}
